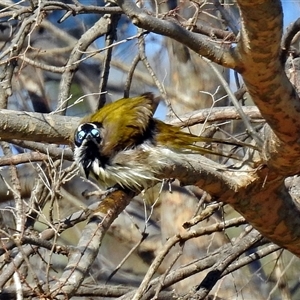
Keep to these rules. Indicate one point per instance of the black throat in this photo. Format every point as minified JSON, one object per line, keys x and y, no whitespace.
{"x":89,"y":155}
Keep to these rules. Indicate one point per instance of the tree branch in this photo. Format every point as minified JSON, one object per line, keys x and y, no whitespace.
{"x":87,"y":249}
{"x":37,"y":127}
{"x":216,"y":52}
{"x":267,"y":83}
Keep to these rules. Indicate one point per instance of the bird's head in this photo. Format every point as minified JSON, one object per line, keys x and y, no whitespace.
{"x":88,"y":139}
{"x":118,"y":126}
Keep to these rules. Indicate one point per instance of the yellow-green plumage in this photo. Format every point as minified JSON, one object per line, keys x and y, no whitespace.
{"x":174,"y":138}
{"x":125,"y":121}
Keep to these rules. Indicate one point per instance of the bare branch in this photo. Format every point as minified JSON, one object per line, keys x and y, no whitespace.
{"x":36,"y":127}
{"x":87,"y":249}
{"x":266,"y":81}
{"x":215,"y":52}
{"x":100,"y":28}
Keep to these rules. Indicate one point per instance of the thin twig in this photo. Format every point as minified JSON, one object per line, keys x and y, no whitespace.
{"x":147,"y":65}
{"x":236,"y":104}
{"x":173,"y":241}
{"x":117,"y":268}
{"x":130,"y":75}
{"x":110,"y":37}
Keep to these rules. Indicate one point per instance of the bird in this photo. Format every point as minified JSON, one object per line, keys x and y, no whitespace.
{"x":122,"y":143}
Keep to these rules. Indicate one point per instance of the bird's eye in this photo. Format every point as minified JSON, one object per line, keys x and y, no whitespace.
{"x":79,"y":137}
{"x":95,"y":133}
{"x":87,"y":131}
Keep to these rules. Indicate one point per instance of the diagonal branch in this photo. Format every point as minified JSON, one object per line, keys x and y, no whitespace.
{"x":216,"y":52}
{"x":87,"y":249}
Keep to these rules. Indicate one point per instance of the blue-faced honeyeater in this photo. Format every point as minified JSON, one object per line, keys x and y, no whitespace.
{"x":122,"y":143}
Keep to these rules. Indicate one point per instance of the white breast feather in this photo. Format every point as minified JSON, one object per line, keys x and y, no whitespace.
{"x":128,"y":168}
{"x":127,"y":171}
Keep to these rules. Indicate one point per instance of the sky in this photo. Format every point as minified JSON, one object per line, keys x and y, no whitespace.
{"x":291,"y":11}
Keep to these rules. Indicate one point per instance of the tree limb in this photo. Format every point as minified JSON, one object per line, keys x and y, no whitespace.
{"x":214,"y":51}
{"x":267,"y":83}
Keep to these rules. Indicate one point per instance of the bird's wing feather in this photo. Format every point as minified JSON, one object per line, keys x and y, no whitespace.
{"x":174,"y":138}
{"x":125,"y":122}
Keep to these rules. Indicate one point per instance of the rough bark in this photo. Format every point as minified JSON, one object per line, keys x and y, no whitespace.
{"x":264,"y":200}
